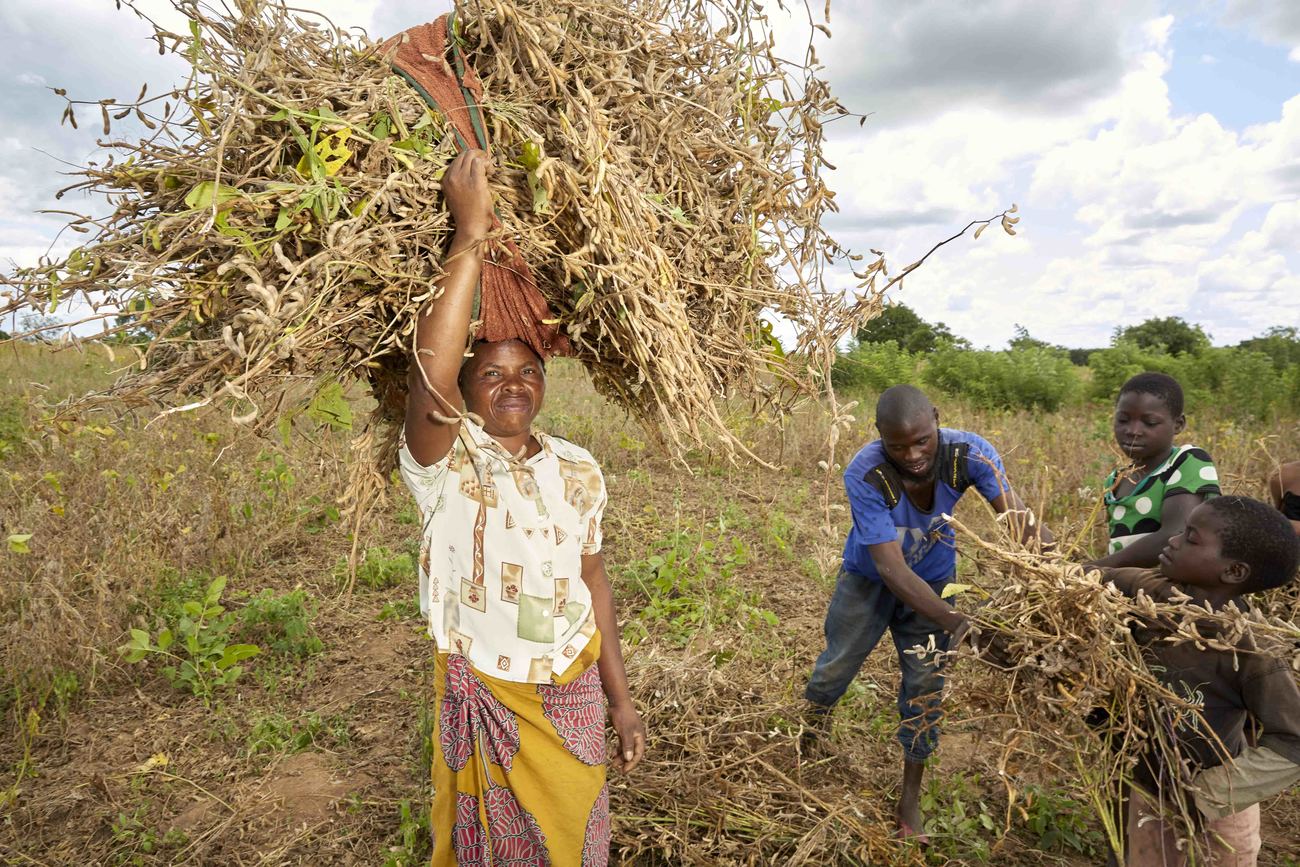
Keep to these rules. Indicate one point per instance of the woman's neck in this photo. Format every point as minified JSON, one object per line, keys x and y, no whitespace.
{"x":1145,"y":468}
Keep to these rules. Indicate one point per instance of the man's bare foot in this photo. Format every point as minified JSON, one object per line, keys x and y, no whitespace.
{"x":816,"y":732}
{"x":911,"y":823}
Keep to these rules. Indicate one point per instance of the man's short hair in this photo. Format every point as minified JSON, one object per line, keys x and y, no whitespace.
{"x":1160,"y":385}
{"x":899,"y":404}
{"x":1261,"y":537}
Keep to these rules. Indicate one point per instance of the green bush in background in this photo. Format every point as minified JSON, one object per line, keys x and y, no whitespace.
{"x":1256,"y":379}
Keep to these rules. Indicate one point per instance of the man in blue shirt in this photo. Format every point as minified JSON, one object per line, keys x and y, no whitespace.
{"x":899,"y":556}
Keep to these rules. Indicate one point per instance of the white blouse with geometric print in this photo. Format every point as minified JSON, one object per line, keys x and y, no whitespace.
{"x":501,"y":552}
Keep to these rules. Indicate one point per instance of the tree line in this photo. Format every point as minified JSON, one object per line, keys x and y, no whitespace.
{"x":1258,"y":377}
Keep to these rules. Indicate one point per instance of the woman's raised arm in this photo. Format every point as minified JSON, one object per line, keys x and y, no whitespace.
{"x":442,"y":325}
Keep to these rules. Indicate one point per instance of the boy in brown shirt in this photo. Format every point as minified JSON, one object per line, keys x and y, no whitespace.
{"x":1230,"y":547}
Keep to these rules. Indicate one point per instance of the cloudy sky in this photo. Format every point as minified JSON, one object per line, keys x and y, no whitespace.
{"x":1153,"y":147}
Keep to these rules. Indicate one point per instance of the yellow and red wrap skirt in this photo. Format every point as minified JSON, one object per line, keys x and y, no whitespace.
{"x":519,"y":768}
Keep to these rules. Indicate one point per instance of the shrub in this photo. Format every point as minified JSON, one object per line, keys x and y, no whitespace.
{"x":1243,"y":381}
{"x":1112,"y":367}
{"x":1035,"y":378}
{"x":875,"y":367}
{"x":1280,"y":343}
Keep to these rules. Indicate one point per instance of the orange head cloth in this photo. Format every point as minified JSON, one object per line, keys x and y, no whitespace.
{"x":510,"y":304}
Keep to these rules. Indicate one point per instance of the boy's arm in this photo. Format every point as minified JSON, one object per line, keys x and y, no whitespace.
{"x":442,"y":326}
{"x":1262,"y":771}
{"x":912,"y":590}
{"x":1129,"y":580}
{"x":1024,"y":524}
{"x":1145,"y":551}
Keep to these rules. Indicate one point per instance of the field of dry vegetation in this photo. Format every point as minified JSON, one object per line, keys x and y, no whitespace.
{"x":314,"y":750}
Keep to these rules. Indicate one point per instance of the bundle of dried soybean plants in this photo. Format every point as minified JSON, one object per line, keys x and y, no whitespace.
{"x":1079,"y":693}
{"x":658,"y":167}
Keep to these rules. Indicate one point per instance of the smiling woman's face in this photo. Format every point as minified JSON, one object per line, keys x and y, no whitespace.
{"x":504,"y":384}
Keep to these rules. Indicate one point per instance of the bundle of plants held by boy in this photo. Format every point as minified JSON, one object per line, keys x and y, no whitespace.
{"x":273,"y":237}
{"x":1078,"y":696}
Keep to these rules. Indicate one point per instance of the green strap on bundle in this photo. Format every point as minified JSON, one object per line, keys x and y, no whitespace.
{"x":471,"y":103}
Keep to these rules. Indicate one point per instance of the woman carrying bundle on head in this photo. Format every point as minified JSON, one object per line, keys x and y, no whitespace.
{"x":512,"y":582}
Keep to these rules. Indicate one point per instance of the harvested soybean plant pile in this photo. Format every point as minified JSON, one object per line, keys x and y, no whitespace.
{"x":276,"y":234}
{"x":1080,"y":688}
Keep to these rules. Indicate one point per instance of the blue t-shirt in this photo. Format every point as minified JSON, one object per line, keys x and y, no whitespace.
{"x":929,"y":546}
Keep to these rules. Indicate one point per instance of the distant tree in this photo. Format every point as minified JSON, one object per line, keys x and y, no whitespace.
{"x":1280,"y":343}
{"x":1022,"y":339}
{"x":910,"y":332}
{"x":130,"y":327}
{"x":38,"y":326}
{"x":1079,"y":357}
{"x":1173,"y":334}
{"x":4,"y":335}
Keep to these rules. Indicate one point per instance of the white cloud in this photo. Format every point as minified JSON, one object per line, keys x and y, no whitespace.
{"x":1132,"y":211}
{"x":391,"y":17}
{"x":1276,"y":21}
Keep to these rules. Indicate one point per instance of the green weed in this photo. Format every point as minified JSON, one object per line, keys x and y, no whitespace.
{"x":862,"y":702}
{"x":281,"y":624}
{"x":136,"y":843}
{"x":276,"y":733}
{"x":408,"y":514}
{"x":13,"y":429}
{"x":402,"y":609}
{"x":780,"y":534}
{"x":381,"y":568}
{"x":688,"y":582}
{"x":958,"y":817}
{"x":315,"y":515}
{"x":410,"y":843}
{"x":203,"y":660}
{"x":1059,"y":822}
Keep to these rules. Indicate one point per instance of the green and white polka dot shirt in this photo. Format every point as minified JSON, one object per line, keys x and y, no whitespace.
{"x":1188,"y":469}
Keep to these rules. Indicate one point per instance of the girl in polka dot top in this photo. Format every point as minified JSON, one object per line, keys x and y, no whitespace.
{"x":1148,"y":501}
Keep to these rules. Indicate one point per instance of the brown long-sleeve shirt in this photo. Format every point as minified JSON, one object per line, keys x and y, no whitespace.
{"x":1229,"y":690}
